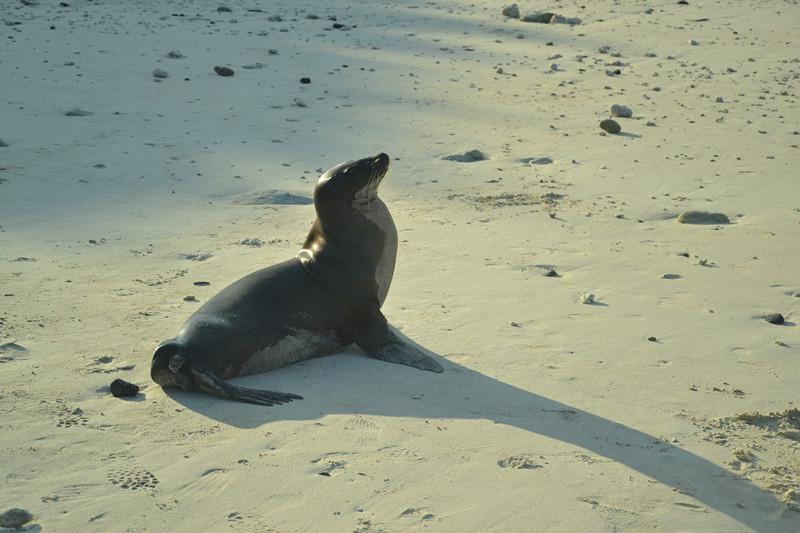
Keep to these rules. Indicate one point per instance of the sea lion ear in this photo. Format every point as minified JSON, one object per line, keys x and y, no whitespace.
{"x":176,"y":363}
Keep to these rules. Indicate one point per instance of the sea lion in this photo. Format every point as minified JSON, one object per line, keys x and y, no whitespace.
{"x":319,"y":302}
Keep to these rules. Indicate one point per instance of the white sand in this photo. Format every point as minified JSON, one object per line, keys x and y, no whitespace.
{"x":569,"y":420}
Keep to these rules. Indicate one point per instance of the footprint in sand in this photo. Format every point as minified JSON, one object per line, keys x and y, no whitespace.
{"x":126,"y":474}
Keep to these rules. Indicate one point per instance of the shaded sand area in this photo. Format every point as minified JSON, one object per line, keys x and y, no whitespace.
{"x":665,"y":400}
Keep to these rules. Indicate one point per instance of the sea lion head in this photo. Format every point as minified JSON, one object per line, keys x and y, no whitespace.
{"x":169,"y":369}
{"x":354,"y":183}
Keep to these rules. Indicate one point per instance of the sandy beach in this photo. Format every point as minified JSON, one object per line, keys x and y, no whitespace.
{"x":136,"y":182}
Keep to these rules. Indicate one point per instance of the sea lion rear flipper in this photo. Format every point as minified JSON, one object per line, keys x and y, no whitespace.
{"x":375,"y":338}
{"x":211,"y":384}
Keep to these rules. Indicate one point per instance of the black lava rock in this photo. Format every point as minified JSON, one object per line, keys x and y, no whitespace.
{"x":774,"y":318}
{"x":120,"y":388}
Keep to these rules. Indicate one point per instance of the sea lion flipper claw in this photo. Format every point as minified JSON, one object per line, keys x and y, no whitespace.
{"x":390,"y":348}
{"x":211,"y":384}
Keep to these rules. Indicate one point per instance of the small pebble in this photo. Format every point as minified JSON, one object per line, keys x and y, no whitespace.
{"x":621,"y":111}
{"x":537,"y":16}
{"x":77,"y":113}
{"x":692,"y":42}
{"x":160,"y":73}
{"x":511,"y":11}
{"x":299,"y":102}
{"x":652,"y":339}
{"x":702,"y":217}
{"x":175,"y":54}
{"x":499,"y":70}
{"x":550,"y":273}
{"x":15,"y":518}
{"x":120,"y":388}
{"x":305,"y":80}
{"x":514,"y":325}
{"x":774,"y":318}
{"x":223,"y":71}
{"x":587,"y":298}
{"x":224,"y":9}
{"x":553,"y":66}
{"x":611,"y":126}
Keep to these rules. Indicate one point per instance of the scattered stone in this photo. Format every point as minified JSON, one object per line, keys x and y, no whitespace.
{"x":511,"y":11}
{"x":499,"y":70}
{"x":189,"y":298}
{"x":466,"y":157}
{"x":611,"y":126}
{"x":121,"y":388}
{"x":671,"y":276}
{"x":702,"y":217}
{"x":77,"y":113}
{"x":652,"y":339}
{"x":224,"y":9}
{"x":621,"y":111}
{"x":254,"y":65}
{"x":223,"y":71}
{"x":305,"y":80}
{"x":160,"y":73}
{"x":692,"y":42}
{"x":299,"y":102}
{"x":587,"y":298}
{"x":559,"y":19}
{"x":2,"y":144}
{"x":514,"y":325}
{"x":275,"y":18}
{"x":272,"y":52}
{"x":175,"y":54}
{"x":553,"y":66}
{"x":537,"y":16}
{"x":15,"y":518}
{"x":550,"y":273}
{"x":774,"y":318}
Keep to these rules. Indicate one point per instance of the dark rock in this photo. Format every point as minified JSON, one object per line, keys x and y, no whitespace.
{"x":611,"y":126}
{"x":223,"y":71}
{"x":702,"y":217}
{"x":305,"y":80}
{"x":15,"y":518}
{"x":774,"y":318}
{"x":120,"y":388}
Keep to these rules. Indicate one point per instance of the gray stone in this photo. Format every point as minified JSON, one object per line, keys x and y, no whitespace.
{"x":621,"y":111}
{"x":702,"y":217}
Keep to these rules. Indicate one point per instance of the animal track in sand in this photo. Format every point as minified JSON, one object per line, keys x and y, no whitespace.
{"x":365,"y":430}
{"x":763,"y":449}
{"x":126,"y":473}
{"x":71,"y":417}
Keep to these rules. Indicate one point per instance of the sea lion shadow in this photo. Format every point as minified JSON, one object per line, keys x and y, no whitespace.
{"x":352,"y":383}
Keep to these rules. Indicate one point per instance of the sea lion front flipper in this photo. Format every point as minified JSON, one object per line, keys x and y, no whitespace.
{"x":375,"y":338}
{"x":211,"y":384}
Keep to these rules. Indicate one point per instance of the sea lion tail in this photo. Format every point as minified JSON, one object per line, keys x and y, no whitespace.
{"x":211,"y":384}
